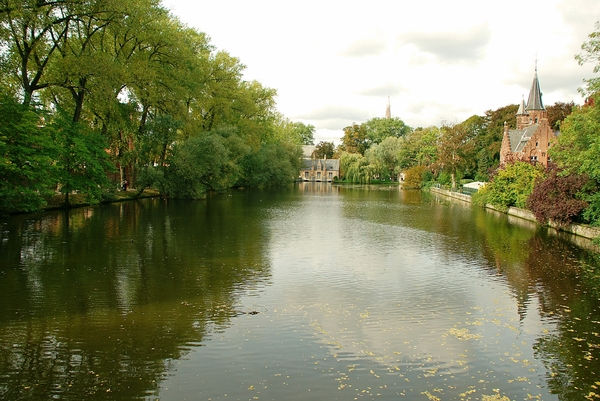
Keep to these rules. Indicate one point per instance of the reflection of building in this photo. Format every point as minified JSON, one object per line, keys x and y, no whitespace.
{"x":313,"y":169}
{"x":533,"y":136}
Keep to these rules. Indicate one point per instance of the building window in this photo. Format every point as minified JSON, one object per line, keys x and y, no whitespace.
{"x":306,"y":174}
{"x":330,"y":174}
{"x":536,"y":144}
{"x":318,"y":174}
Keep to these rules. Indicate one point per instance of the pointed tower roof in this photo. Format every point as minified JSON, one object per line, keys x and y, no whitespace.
{"x":388,"y":111}
{"x":521,"y":110}
{"x":535,"y":95}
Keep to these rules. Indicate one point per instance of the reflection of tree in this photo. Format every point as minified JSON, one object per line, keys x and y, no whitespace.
{"x":94,"y":306}
{"x":551,"y":270}
{"x":571,"y":353}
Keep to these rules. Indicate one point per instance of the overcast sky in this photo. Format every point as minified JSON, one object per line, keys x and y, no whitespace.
{"x":336,"y":62}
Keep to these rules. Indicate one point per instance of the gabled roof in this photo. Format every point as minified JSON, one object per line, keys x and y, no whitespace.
{"x":535,"y":95}
{"x":520,"y":137}
{"x":330,"y":164}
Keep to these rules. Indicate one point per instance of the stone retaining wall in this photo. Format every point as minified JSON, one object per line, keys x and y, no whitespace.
{"x":576,"y":229}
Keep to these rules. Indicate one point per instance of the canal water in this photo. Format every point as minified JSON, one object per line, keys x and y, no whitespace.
{"x":314,"y":292}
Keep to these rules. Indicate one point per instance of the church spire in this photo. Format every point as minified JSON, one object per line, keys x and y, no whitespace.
{"x":535,"y":95}
{"x":388,"y":111}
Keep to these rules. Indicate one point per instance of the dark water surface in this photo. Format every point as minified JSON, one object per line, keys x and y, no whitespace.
{"x":308,"y":293}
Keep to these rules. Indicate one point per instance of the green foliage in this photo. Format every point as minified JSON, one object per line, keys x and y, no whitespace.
{"x":150,"y":176}
{"x":356,"y":168}
{"x":27,"y":152}
{"x":378,"y":129}
{"x":275,"y":164}
{"x":324,"y":150}
{"x":82,"y":161}
{"x":511,"y":186}
{"x":303,"y":134}
{"x":444,"y":178}
{"x":577,"y":151}
{"x":427,"y":176}
{"x":419,"y":148}
{"x":197,"y":166}
{"x":138,"y":85}
{"x":489,"y":140}
{"x":591,"y":53}
{"x":355,"y":139}
{"x":383,"y":157}
{"x":455,"y":150}
{"x":153,"y":143}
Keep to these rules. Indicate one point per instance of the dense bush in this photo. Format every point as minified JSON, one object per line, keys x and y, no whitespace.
{"x":556,"y":198}
{"x":273,"y":165}
{"x":511,"y":186}
{"x":414,"y":177}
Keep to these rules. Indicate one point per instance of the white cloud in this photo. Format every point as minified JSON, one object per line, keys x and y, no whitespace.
{"x":334,"y":62}
{"x":365,"y":47}
{"x":461,"y":46}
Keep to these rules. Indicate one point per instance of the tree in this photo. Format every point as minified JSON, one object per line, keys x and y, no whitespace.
{"x":324,"y":150}
{"x":414,"y":177}
{"x":577,"y":151}
{"x":383,"y":157}
{"x":489,"y":140}
{"x":591,"y":53}
{"x":303,"y":134}
{"x":419,"y":148}
{"x":557,"y":197}
{"x":558,"y":112}
{"x":197,"y":165}
{"x":29,"y":32}
{"x":275,"y":164}
{"x":27,"y":155}
{"x":142,"y":90}
{"x":356,"y":168}
{"x":377,"y":129}
{"x":82,"y":161}
{"x":511,"y":186}
{"x":483,"y":151}
{"x":355,"y":139}
{"x":454,"y":149}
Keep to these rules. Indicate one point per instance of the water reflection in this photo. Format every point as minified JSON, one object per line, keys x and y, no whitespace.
{"x":100,"y":301}
{"x":311,"y":292}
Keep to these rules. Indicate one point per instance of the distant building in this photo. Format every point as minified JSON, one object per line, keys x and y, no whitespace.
{"x":388,"y":110}
{"x":534,"y":136}
{"x":319,"y":170}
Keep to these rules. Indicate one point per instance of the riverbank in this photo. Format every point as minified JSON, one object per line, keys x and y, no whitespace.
{"x":75,"y":200}
{"x":580,"y":230}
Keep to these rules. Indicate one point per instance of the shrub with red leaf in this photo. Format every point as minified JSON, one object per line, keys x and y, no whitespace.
{"x":555,"y":199}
